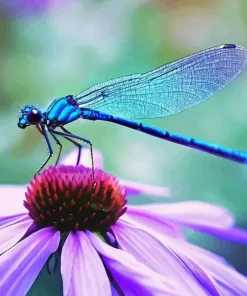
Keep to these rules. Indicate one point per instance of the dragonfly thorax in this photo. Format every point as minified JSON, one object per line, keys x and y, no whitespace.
{"x":30,"y":115}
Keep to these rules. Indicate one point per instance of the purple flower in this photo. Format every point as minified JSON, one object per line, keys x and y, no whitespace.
{"x":24,"y":7}
{"x":110,"y":249}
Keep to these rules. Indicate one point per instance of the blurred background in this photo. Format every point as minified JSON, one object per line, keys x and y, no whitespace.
{"x":53,"y":48}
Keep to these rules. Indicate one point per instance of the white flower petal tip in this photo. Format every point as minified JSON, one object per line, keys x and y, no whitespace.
{"x":11,"y":197}
{"x":70,"y":158}
{"x":134,"y":188}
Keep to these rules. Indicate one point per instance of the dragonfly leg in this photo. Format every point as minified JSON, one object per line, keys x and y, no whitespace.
{"x":44,"y":133}
{"x":60,"y":147}
{"x":78,"y":145}
{"x":70,"y":135}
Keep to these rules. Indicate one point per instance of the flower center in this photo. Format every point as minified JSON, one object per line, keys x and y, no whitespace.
{"x":69,"y":198}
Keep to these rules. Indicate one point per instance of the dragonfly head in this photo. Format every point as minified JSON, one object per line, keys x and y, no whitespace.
{"x":29,"y":115}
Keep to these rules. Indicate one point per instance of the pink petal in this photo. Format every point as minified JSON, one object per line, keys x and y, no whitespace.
{"x":234,"y":234}
{"x":9,"y":220}
{"x":133,"y":277}
{"x":163,"y":260}
{"x":203,"y":217}
{"x":159,"y":225}
{"x":82,"y":270}
{"x":70,"y":158}
{"x":214,"y":265}
{"x":200,"y":216}
{"x":188,"y":213}
{"x":227,"y":278}
{"x":134,"y":188}
{"x":20,"y":266}
{"x":11,"y":234}
{"x":11,"y":200}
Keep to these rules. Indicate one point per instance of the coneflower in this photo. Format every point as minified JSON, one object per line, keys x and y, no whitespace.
{"x":108,"y":247}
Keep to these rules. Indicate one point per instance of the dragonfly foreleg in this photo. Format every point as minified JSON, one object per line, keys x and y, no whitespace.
{"x":60,"y":147}
{"x":70,"y":135}
{"x":78,"y":145}
{"x":43,"y":131}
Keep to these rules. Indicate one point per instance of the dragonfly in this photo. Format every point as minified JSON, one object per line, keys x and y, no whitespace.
{"x":167,"y":90}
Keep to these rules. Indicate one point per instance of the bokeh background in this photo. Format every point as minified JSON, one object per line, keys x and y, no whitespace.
{"x":49,"y":49}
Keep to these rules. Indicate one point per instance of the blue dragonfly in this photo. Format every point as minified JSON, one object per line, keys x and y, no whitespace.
{"x":167,"y":90}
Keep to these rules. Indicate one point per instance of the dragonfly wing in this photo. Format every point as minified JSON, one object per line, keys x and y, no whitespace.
{"x":169,"y":89}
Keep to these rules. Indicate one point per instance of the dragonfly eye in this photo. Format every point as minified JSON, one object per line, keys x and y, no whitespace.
{"x":34,"y":117}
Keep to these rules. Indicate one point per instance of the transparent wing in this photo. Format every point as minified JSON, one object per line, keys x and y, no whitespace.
{"x":169,"y":89}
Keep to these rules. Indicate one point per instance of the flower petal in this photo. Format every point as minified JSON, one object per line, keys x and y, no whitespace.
{"x":12,"y":197}
{"x":70,"y":158}
{"x":154,"y":254}
{"x":134,"y":188}
{"x":235,"y":234}
{"x":159,"y":225}
{"x":227,"y":278}
{"x":204,"y":217}
{"x":205,"y":279}
{"x":189,"y":213}
{"x":82,"y":270}
{"x":200,"y":216}
{"x":113,"y":291}
{"x":20,"y":266}
{"x":9,"y":220}
{"x":133,"y":277}
{"x":11,"y":234}
{"x":224,"y":275}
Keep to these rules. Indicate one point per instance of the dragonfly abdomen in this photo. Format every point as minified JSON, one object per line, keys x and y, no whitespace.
{"x":227,"y":153}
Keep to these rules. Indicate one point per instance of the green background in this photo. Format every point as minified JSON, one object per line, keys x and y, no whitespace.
{"x":49,"y":49}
